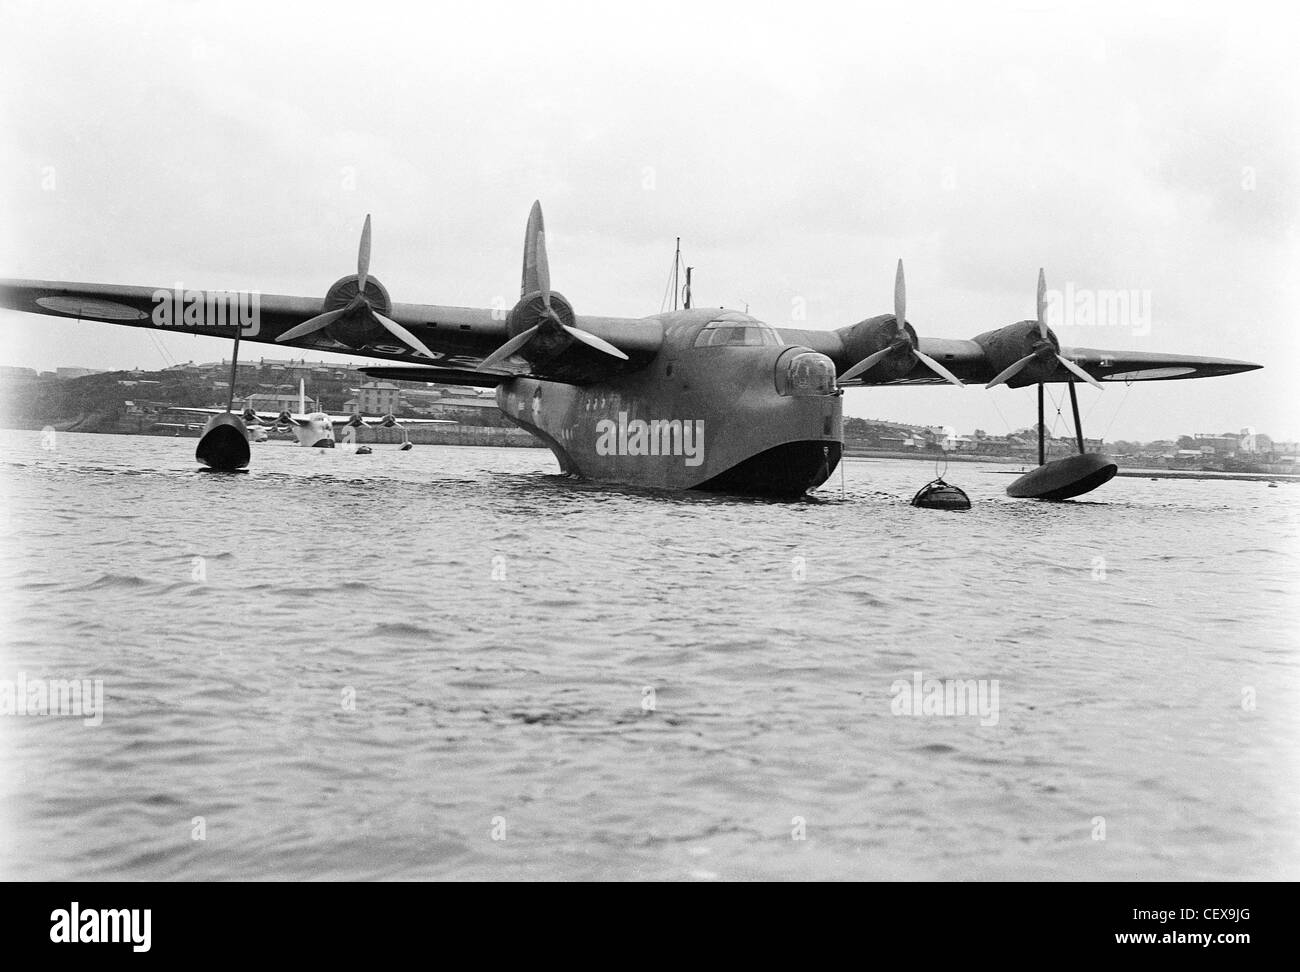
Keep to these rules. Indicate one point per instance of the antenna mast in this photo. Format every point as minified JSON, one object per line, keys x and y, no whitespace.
{"x":677,"y":262}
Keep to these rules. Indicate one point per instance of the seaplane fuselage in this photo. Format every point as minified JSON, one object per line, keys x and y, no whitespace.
{"x":727,"y":404}
{"x":315,"y":431}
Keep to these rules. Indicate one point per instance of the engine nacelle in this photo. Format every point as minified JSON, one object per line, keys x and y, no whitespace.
{"x":359,"y":330}
{"x":865,"y":338}
{"x":344,"y":290}
{"x":550,"y":340}
{"x":1007,"y":345}
{"x":553,"y":352}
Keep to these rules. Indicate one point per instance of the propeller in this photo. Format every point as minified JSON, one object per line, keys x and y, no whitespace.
{"x":1045,"y":349}
{"x":390,"y":421}
{"x":902,"y":340}
{"x":537,"y":279}
{"x":359,"y":306}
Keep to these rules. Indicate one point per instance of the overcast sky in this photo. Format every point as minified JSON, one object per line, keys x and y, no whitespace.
{"x":798,"y":149}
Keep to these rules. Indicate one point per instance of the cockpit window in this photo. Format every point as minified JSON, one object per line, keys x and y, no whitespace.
{"x":747,"y":333}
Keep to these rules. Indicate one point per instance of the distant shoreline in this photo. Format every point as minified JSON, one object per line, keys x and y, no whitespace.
{"x":1135,"y":472}
{"x":852,"y":452}
{"x":487,"y":436}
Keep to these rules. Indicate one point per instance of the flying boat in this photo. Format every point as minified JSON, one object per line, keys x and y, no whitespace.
{"x":690,"y":399}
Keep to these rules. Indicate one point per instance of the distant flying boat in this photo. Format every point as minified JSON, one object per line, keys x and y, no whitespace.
{"x":317,"y":429}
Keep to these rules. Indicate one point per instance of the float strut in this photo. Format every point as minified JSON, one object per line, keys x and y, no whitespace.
{"x":1042,"y":449}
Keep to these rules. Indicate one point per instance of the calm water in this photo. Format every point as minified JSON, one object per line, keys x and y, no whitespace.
{"x":452,"y":663}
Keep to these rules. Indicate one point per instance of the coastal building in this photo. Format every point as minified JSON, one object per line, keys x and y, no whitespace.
{"x":944,"y":436}
{"x":277,"y":402}
{"x":452,"y":407}
{"x":378,"y":398}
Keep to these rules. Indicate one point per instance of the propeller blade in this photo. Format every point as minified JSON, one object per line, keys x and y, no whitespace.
{"x":363,"y":258}
{"x":1041,"y":305}
{"x":866,"y":364}
{"x":402,"y":334}
{"x":315,"y":324}
{"x":900,"y":299}
{"x":1012,"y":371}
{"x":1079,"y":372}
{"x":507,"y":349}
{"x":537,"y":271}
{"x":937,"y":368}
{"x":589,"y":339}
{"x":543,"y":270}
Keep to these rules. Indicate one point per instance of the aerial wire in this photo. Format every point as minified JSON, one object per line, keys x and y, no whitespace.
{"x":663,"y":304}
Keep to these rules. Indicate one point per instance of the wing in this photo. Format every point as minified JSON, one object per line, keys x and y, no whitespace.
{"x":446,"y":376}
{"x":1151,"y":366}
{"x":195,"y":411}
{"x":385,"y":420}
{"x":459,"y":337}
{"x":270,"y":418}
{"x":969,"y":362}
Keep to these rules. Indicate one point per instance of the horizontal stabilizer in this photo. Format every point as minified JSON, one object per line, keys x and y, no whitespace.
{"x":445,"y":376}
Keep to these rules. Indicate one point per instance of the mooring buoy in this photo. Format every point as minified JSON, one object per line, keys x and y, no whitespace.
{"x":938,"y":495}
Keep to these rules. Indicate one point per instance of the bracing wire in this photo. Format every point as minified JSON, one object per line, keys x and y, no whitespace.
{"x":161,"y":350}
{"x":1058,"y":404}
{"x":1005,"y":423}
{"x":1128,"y":387}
